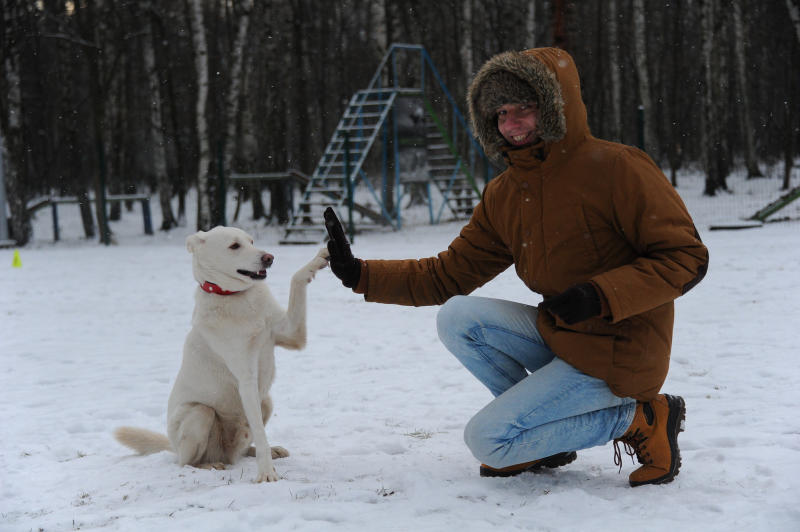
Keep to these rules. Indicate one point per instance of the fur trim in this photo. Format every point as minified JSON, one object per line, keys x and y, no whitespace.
{"x":502,"y":87}
{"x":498,"y":81}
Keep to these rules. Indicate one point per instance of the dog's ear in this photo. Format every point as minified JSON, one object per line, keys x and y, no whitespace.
{"x":196,"y":240}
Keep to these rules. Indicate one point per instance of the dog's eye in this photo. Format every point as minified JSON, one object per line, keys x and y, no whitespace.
{"x":235,"y":245}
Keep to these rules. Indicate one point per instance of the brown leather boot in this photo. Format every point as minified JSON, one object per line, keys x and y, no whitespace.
{"x":653,"y":438}
{"x":557,"y":460}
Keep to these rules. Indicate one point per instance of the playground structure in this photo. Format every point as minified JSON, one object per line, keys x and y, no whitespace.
{"x":775,"y":206}
{"x":452,"y":157}
{"x":760,"y":217}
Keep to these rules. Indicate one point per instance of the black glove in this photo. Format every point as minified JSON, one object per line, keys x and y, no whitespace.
{"x":577,"y":303}
{"x":343,"y":264}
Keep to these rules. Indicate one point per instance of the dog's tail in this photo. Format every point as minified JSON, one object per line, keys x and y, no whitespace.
{"x":142,"y":441}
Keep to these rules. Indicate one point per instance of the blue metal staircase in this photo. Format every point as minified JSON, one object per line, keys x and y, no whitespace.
{"x":453,"y":155}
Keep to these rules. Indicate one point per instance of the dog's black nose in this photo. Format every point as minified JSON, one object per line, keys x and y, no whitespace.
{"x":266,"y":260}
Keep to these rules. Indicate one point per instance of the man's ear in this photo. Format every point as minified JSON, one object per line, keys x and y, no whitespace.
{"x":195,"y":241}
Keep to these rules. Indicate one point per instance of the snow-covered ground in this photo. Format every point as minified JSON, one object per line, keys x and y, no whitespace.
{"x":373,"y":409}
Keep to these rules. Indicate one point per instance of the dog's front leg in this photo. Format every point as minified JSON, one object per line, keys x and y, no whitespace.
{"x":291,"y":333}
{"x":248,"y":391}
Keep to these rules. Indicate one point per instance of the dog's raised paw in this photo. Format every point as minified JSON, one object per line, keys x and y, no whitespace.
{"x":307,"y":272}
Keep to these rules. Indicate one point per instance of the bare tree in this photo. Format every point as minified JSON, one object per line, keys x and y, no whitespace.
{"x":382,"y":25}
{"x":743,"y":111}
{"x":197,"y":24}
{"x":168,"y":220}
{"x":235,"y":84}
{"x":713,"y":148}
{"x":614,"y":70}
{"x":11,"y":125}
{"x":466,"y":38}
{"x":677,"y":103}
{"x":650,"y":143}
{"x":530,"y":25}
{"x":91,"y":28}
{"x":794,"y":13}
{"x":790,"y":111}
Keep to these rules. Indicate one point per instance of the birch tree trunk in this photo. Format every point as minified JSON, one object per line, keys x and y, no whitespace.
{"x":382,"y":25}
{"x":530,"y":25}
{"x":466,"y":39}
{"x":168,"y":220}
{"x":616,"y":75}
{"x":235,"y":85}
{"x":739,"y":39}
{"x":650,"y":143}
{"x":794,"y":13}
{"x":197,"y":25}
{"x":89,"y":27}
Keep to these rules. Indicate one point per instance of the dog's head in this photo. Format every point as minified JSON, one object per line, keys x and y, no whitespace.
{"x":226,"y":257}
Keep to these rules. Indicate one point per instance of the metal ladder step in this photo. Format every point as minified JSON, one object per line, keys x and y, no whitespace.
{"x":325,"y":189}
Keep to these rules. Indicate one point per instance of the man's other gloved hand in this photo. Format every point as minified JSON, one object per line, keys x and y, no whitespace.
{"x":343,"y":264}
{"x":575,"y":304}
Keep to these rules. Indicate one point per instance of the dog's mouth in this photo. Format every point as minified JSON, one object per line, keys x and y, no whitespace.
{"x":256,"y":276}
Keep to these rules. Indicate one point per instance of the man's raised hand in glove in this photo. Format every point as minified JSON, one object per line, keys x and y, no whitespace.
{"x":343,"y":264}
{"x":575,"y":304}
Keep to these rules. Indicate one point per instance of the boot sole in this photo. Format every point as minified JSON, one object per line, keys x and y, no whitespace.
{"x":675,"y":425}
{"x":551,"y":462}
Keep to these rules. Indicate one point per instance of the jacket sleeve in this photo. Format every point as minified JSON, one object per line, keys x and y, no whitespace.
{"x":671,"y":257}
{"x":475,"y":257}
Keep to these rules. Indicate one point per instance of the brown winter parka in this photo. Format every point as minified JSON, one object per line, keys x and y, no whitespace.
{"x":568,"y":210}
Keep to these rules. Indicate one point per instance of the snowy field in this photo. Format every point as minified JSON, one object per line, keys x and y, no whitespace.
{"x":373,"y":409}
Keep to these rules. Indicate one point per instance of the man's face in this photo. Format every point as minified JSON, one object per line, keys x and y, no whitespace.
{"x":517,"y":123}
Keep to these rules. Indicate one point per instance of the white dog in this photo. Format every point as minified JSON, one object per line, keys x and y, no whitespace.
{"x":220,"y":402}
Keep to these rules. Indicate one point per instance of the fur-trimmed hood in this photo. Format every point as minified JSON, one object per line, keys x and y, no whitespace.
{"x":552,"y":75}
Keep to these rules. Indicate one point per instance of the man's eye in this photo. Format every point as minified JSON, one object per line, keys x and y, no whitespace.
{"x":235,"y":245}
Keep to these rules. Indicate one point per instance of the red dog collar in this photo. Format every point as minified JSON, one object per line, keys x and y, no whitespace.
{"x":212,"y":288}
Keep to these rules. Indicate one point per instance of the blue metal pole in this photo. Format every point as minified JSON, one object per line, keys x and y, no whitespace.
{"x":349,"y":183}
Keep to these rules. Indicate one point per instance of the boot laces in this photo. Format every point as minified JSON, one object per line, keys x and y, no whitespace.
{"x":634,"y":445}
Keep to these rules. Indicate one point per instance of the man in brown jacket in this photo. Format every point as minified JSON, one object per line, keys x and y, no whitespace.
{"x":598,"y":231}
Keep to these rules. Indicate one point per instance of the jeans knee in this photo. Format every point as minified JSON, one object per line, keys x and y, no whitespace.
{"x":478,"y":441}
{"x":451,"y":319}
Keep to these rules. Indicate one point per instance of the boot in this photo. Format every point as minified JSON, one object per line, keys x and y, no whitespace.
{"x":557,"y":460}
{"x":653,"y":438}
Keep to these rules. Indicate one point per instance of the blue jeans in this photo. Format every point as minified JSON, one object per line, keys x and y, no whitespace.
{"x":542,"y":405}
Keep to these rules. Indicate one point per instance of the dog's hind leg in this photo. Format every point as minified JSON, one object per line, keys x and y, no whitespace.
{"x":192,"y":435}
